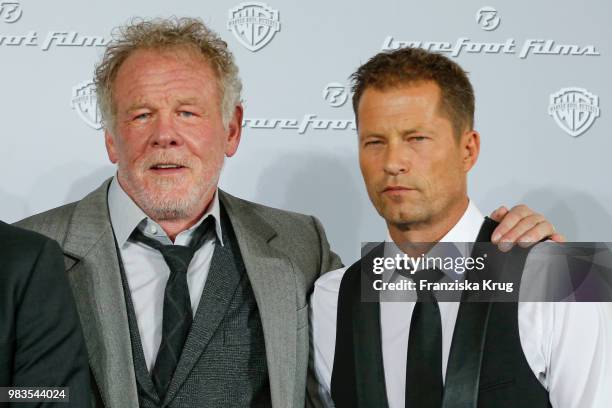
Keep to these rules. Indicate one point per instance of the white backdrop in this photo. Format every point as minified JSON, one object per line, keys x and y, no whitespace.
{"x":518,"y":55}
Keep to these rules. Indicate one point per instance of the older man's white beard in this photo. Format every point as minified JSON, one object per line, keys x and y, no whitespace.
{"x":162,"y":204}
{"x":160,"y":200}
{"x":167,"y":209}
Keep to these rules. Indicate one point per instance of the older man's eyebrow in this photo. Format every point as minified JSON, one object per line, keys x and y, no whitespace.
{"x":188,"y":101}
{"x":137,"y":106}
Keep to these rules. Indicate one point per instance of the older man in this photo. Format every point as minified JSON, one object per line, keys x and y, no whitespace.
{"x":417,"y":143}
{"x":220,"y":317}
{"x":188,"y":296}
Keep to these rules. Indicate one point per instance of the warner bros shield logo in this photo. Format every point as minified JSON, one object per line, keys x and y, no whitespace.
{"x":574,"y":109}
{"x":254,"y":24}
{"x":85,"y":102}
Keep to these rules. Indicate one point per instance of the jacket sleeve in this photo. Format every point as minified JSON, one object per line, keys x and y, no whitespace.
{"x":49,"y":346}
{"x":329,"y":259}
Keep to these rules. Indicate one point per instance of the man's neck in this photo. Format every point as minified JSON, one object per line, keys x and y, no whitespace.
{"x":174,"y":227}
{"x":427,"y":232}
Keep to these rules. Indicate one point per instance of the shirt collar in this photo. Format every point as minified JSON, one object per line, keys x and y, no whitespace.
{"x":468,"y":226}
{"x":125,"y":216}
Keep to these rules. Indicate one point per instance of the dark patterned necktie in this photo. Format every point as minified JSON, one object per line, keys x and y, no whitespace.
{"x":177,"y":315}
{"x":424,"y":386}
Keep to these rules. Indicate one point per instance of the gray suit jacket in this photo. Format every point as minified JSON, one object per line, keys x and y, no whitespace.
{"x":283,"y":254}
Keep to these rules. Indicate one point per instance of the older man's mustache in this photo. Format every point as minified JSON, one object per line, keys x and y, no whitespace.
{"x":167,"y":161}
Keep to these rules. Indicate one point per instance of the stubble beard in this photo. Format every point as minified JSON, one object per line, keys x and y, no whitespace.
{"x":406,"y":219}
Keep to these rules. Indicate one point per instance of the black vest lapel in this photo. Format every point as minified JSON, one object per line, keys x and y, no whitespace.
{"x":465,"y":359}
{"x":358,"y":378}
{"x":487,"y":366}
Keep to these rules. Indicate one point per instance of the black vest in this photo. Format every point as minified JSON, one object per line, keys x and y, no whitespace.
{"x":486,"y":366}
{"x":223,"y":363}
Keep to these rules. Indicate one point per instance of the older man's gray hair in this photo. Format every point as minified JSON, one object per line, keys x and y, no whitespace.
{"x":166,"y":34}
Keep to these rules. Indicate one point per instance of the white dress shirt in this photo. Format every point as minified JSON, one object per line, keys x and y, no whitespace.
{"x":145,"y":268}
{"x":568,"y":345}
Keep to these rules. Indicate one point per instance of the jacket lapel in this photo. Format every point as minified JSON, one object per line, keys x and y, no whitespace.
{"x":272,"y":277}
{"x":93,"y":270}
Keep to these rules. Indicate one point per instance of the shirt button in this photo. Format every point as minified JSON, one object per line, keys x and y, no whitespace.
{"x":153,"y":229}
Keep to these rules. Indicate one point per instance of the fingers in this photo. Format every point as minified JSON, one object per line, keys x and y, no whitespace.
{"x":523,"y":226}
{"x":498,"y":214}
{"x":539,"y":231}
{"x":558,"y":237}
{"x":509,"y":220}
